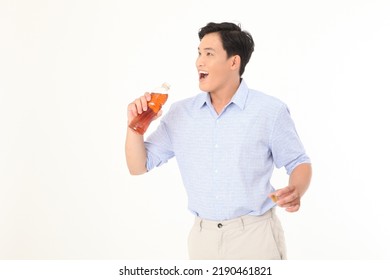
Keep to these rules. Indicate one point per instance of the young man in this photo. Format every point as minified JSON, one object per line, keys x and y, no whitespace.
{"x":227,"y":141}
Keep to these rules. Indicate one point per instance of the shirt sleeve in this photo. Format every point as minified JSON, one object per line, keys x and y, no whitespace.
{"x":286,"y":146}
{"x":158,"y":146}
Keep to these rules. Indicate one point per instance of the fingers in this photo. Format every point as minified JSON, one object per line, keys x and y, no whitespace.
{"x":287,"y":198}
{"x":293,"y":208}
{"x":286,"y":195}
{"x":284,"y":191}
{"x":139,"y":105}
{"x":290,"y":197}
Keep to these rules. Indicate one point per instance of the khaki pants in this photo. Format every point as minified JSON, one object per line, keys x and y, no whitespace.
{"x":247,"y":237}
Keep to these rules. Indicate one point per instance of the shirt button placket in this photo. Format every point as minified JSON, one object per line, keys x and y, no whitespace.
{"x":215,"y":167}
{"x":216,"y":137}
{"x":216,"y":145}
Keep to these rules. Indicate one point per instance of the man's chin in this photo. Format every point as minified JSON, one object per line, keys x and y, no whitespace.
{"x":203,"y":87}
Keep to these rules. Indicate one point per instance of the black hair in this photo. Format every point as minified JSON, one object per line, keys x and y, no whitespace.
{"x":234,"y":40}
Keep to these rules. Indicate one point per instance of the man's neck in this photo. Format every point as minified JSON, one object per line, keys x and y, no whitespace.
{"x":221,"y":98}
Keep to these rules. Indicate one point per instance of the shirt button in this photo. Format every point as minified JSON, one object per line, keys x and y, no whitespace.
{"x":216,"y":170}
{"x":216,"y":146}
{"x":220,"y":225}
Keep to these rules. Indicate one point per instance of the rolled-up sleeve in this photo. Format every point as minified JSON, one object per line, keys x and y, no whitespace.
{"x":158,"y":147}
{"x":286,"y":146}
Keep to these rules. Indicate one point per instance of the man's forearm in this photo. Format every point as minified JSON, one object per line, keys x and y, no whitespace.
{"x":300,"y":177}
{"x":135,"y":153}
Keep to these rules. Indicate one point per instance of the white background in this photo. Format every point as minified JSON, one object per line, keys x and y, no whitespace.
{"x":68,"y":69}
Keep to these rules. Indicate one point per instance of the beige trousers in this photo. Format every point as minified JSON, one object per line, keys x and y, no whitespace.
{"x":246,"y":238}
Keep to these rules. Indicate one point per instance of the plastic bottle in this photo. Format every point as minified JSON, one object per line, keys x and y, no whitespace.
{"x":158,"y":98}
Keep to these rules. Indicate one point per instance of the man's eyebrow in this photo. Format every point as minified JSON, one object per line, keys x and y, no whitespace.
{"x":207,"y":49}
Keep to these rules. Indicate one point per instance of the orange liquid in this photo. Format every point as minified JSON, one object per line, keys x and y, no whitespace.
{"x":141,"y":122}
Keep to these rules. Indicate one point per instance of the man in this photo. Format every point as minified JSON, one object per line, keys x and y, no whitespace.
{"x":227,"y":141}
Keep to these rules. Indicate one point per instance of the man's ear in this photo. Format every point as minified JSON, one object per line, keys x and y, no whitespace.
{"x":236,"y":62}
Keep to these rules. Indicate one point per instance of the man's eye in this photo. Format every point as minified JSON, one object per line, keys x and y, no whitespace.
{"x":209,"y":54}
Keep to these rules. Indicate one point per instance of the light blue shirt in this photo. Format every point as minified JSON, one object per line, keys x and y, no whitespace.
{"x":226,"y":161}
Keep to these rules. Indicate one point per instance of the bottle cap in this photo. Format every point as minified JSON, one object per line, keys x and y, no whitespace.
{"x":166,"y":86}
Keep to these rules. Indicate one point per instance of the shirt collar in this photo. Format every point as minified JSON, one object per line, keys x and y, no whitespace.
{"x":239,"y":97}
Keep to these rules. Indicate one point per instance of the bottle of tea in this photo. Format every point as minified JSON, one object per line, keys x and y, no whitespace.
{"x":158,"y":98}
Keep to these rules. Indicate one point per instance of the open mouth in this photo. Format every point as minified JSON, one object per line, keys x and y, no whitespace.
{"x":203,"y":75}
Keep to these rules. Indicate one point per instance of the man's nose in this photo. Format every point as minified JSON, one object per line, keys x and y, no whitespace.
{"x":199,"y":61}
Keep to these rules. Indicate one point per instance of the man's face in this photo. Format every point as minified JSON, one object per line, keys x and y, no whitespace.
{"x":214,"y":68}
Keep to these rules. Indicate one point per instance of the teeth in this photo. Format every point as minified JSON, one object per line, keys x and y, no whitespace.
{"x":203,"y":74}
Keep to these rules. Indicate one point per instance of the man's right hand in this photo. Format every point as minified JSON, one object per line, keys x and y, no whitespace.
{"x":138,"y":106}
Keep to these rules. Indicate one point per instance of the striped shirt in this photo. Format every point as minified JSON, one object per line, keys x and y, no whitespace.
{"x":226,"y":161}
